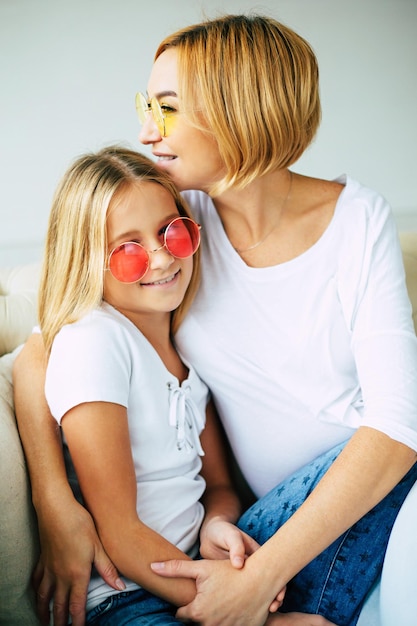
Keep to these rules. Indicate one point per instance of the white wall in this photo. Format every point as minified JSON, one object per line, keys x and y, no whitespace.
{"x":69,"y":70}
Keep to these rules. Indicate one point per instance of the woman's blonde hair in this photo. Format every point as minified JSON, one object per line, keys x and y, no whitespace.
{"x":256,"y":83}
{"x":76,"y":245}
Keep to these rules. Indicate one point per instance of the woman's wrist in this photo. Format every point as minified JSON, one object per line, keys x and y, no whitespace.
{"x":56,"y":494}
{"x":266,"y":572}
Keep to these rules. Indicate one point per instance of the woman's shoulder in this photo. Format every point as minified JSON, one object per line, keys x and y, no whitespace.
{"x":344,"y":189}
{"x":347,"y":201}
{"x":314,"y":202}
{"x":360,"y":206}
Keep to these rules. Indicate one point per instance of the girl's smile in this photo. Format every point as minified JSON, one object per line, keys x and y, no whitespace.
{"x":164,"y":281}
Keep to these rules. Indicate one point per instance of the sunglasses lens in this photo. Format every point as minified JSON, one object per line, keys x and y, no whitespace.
{"x":170,"y":121}
{"x":158,"y":116}
{"x":165,"y":122}
{"x":141,"y":107}
{"x":182,"y":237}
{"x":129,"y":262}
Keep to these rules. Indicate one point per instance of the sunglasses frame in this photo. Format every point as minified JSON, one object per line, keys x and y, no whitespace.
{"x":144,"y":106}
{"x":183,"y":218}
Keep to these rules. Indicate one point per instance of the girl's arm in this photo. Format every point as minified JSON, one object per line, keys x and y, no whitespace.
{"x":69,"y":541}
{"x":219,"y":537}
{"x":98,"y":439}
{"x":220,"y":497}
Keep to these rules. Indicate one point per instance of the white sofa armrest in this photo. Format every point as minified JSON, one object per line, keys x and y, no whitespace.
{"x":18,"y":304}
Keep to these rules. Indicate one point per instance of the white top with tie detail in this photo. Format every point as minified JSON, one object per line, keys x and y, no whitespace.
{"x":105,"y":358}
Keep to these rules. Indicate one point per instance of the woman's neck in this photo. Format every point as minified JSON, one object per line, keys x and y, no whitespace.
{"x":277,"y":217}
{"x":250,"y":214}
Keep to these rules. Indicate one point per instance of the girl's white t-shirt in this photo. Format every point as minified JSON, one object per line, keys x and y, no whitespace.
{"x":105,"y":358}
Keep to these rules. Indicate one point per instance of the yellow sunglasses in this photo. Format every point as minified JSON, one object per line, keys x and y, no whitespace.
{"x":164,"y":116}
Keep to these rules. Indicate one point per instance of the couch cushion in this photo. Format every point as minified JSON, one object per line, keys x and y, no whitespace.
{"x":18,"y":545}
{"x":18,"y":296}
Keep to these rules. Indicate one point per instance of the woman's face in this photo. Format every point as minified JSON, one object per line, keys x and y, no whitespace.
{"x":189,"y":155}
{"x":141,"y":214}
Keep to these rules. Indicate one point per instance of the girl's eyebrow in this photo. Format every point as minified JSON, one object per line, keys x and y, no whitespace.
{"x":134,"y":234}
{"x":123,"y":237}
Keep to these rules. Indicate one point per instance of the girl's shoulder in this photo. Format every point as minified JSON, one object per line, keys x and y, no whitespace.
{"x":100,"y":332}
{"x":93,"y":326}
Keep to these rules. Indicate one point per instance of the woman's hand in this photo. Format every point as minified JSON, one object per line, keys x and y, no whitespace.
{"x":64,"y":568}
{"x":226,"y":596}
{"x":69,"y":541}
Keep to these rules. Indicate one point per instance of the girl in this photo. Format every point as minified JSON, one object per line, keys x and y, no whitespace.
{"x":121,"y":267}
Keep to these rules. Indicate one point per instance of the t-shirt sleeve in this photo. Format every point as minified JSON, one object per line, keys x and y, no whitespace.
{"x":89,"y":362}
{"x":383,"y":337}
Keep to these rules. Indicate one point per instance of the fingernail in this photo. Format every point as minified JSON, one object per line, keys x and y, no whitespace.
{"x":120,"y":584}
{"x":157,"y":566}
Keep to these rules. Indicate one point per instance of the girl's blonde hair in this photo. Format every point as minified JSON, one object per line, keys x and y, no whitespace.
{"x":76,"y":245}
{"x":255,"y":82}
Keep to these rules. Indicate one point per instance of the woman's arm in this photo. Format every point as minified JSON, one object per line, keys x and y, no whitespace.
{"x":98,"y":438}
{"x":69,"y":541}
{"x":367,"y":469}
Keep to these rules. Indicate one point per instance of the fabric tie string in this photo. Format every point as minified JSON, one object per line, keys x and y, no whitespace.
{"x":186,"y":418}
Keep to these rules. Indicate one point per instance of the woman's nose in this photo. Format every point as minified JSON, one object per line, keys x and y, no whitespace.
{"x":149,"y":132}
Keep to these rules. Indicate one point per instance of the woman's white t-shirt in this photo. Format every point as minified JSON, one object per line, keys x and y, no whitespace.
{"x":299,"y":355}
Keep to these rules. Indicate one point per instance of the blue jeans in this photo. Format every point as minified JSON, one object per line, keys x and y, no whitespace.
{"x":336,"y":583}
{"x":133,"y":608}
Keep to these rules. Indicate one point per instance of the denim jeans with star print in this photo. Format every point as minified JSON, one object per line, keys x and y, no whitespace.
{"x":133,"y":608}
{"x":336,"y":583}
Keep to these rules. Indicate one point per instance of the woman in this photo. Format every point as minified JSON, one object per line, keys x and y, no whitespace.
{"x":307,"y":342}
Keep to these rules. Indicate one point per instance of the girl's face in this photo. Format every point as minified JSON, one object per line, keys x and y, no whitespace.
{"x":189,"y":155}
{"x":141,"y":213}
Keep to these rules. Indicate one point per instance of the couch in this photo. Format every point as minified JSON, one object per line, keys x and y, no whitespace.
{"x":392,"y":601}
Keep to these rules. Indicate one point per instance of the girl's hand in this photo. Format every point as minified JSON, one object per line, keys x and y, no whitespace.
{"x":222,"y":540}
